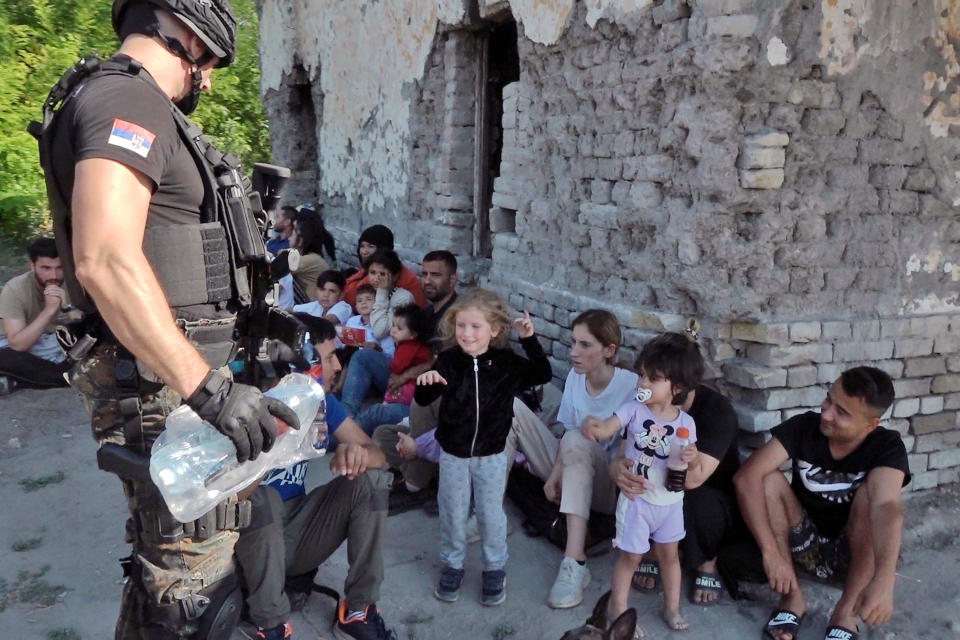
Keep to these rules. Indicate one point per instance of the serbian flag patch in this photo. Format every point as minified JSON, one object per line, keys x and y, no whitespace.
{"x":131,"y":137}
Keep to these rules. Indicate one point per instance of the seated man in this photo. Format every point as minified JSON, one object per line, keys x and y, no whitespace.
{"x":293,"y":533}
{"x":841,"y":518}
{"x":31,"y":305}
{"x":369,"y":368}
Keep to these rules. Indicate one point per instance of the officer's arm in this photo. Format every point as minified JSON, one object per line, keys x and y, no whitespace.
{"x":109,"y":205}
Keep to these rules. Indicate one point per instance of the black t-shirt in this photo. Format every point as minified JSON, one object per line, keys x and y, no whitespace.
{"x":825,"y":487}
{"x":128,"y":119}
{"x":433,"y":319}
{"x":717,"y":435}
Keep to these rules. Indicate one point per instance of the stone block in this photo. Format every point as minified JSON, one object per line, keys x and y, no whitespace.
{"x":912,"y":347}
{"x":768,"y":139}
{"x":894,"y":327}
{"x":942,"y":459}
{"x":829,"y":372}
{"x":931,"y":404}
{"x":908,"y":442}
{"x":888,"y":177}
{"x":823,"y":122}
{"x":502,"y":220}
{"x":925,"y":480}
{"x":598,"y":215}
{"x":670,"y":11}
{"x":928,"y":443}
{"x":756,"y":420}
{"x":848,"y":177}
{"x":784,"y":356}
{"x":772,"y":333}
{"x":802,"y":376}
{"x":789,"y":398}
{"x":916,"y":367}
{"x":805,"y":331}
{"x":761,"y":179}
{"x":814,"y":93}
{"x":722,"y":351}
{"x":505,"y":201}
{"x":949,"y":383}
{"x":935,"y":423}
{"x":761,"y":158}
{"x":645,"y":195}
{"x":865,"y":329}
{"x":855,"y":351}
{"x":953,"y":363}
{"x":833,"y":329}
{"x":889,"y":152}
{"x":951,"y":401}
{"x":922,"y":180}
{"x":725,"y":7}
{"x":948,"y":476}
{"x":929,"y":326}
{"x":917,"y":462}
{"x":754,"y":376}
{"x":909,"y":387}
{"x":737,"y":26}
{"x":947,"y":343}
{"x":893,"y":368}
{"x":900,"y":425}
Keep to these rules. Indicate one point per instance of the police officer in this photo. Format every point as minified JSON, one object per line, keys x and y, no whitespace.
{"x":132,"y":209}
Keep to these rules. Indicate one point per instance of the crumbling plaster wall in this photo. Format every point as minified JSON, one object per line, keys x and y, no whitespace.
{"x":784,"y":169}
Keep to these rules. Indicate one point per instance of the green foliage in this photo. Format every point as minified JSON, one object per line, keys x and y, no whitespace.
{"x":26,"y":544}
{"x":40,"y":39}
{"x":32,"y":484}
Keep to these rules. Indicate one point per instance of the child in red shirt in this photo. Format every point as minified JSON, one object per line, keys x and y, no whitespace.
{"x":408,"y":325}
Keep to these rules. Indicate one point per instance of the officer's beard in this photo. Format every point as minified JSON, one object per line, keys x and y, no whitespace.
{"x":188,"y":103}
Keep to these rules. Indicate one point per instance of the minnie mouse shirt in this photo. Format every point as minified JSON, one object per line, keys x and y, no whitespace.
{"x":648,"y":442}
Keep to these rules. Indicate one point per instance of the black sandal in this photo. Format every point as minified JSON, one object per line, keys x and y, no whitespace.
{"x":706,"y":581}
{"x":782,"y":621}
{"x":836,"y":632}
{"x":644,"y":571}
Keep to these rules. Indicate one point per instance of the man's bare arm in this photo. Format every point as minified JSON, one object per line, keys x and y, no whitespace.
{"x":110,"y":203}
{"x":356,"y":452}
{"x":21,"y":335}
{"x":875,"y":604}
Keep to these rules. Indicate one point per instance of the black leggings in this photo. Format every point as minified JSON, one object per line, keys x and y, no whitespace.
{"x":31,"y":371}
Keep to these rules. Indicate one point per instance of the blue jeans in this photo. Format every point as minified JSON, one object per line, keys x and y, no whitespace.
{"x":487,"y":476}
{"x":367,"y":368}
{"x":378,"y":414}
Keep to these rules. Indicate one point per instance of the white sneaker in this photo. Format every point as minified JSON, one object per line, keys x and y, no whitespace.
{"x":567,"y":589}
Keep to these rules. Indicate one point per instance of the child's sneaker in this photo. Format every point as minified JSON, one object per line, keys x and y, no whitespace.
{"x":494,"y":588}
{"x":448,"y":587}
{"x":365,"y":626}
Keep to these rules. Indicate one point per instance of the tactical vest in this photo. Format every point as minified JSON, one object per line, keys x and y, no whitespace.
{"x":196,"y":264}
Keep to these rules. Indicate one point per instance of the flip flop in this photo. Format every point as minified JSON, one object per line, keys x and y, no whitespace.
{"x":782,"y":621}
{"x":647,"y":570}
{"x":706,"y":581}
{"x":837,"y":632}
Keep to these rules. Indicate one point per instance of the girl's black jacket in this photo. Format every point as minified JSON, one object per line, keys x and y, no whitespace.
{"x":488,"y":381}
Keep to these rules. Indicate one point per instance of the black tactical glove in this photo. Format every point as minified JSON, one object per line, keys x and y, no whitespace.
{"x":242,"y":413}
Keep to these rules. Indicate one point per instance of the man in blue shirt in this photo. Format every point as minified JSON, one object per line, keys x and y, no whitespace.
{"x":293,"y":532}
{"x":284,"y":227}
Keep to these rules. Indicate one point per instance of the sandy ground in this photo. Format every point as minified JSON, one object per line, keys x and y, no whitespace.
{"x":60,"y":542}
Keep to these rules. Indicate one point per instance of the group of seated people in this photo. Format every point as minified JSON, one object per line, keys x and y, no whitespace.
{"x":423,"y":409}
{"x":434,"y":418}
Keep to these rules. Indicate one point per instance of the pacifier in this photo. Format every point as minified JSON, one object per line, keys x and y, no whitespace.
{"x":643,"y":394}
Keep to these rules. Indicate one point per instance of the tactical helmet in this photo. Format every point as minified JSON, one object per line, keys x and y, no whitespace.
{"x":211,"y":20}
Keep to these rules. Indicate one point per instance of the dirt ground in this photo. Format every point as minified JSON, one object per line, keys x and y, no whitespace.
{"x":62,"y":532}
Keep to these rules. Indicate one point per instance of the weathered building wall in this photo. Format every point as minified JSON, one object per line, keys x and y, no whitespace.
{"x":784,"y":170}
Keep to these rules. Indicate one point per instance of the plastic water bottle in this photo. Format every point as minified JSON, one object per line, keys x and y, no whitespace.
{"x":195,"y":466}
{"x":676,"y":467}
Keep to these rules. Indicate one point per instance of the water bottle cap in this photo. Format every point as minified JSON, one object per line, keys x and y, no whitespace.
{"x":683,"y":432}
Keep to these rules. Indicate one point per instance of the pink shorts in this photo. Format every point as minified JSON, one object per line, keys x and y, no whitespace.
{"x":638,"y":522}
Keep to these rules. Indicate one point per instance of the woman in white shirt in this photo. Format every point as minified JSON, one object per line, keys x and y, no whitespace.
{"x":575,"y":470}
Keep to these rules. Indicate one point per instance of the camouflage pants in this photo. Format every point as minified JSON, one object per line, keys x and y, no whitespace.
{"x":164,"y":575}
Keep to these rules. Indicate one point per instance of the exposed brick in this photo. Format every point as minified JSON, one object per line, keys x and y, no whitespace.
{"x":769,"y":139}
{"x":908,"y":387}
{"x":931,"y":404}
{"x":850,"y":351}
{"x":947,"y":343}
{"x":946,"y":383}
{"x":778,"y":333}
{"x":755,"y":420}
{"x":761,"y":179}
{"x":925,"y":366}
{"x":912,"y":347}
{"x":805,"y":331}
{"x":670,"y":11}
{"x":929,"y":326}
{"x":754,"y":376}
{"x":835,"y":329}
{"x":761,"y":158}
{"x":788,"y":398}
{"x":925,"y":480}
{"x":953,"y":363}
{"x":866,"y":329}
{"x":894,"y":327}
{"x":785,"y":356}
{"x":942,"y":459}
{"x":900,"y":425}
{"x":917,"y":462}
{"x":948,"y":476}
{"x":928,"y":443}
{"x":739,"y":26}
{"x":951,"y":401}
{"x":802,"y":376}
{"x":906,"y":408}
{"x":943,"y":421}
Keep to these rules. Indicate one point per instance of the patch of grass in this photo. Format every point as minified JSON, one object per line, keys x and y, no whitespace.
{"x":67,"y":633}
{"x":502,"y":631}
{"x":32,"y":484}
{"x":30,"y":588}
{"x":27,"y":544}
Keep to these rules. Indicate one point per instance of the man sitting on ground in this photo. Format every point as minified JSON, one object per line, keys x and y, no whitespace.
{"x":31,"y":305}
{"x":293,"y":532}
{"x":841,"y":518}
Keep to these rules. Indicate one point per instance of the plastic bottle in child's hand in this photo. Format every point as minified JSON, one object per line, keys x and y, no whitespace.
{"x":676,"y":467}
{"x":643,"y":394}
